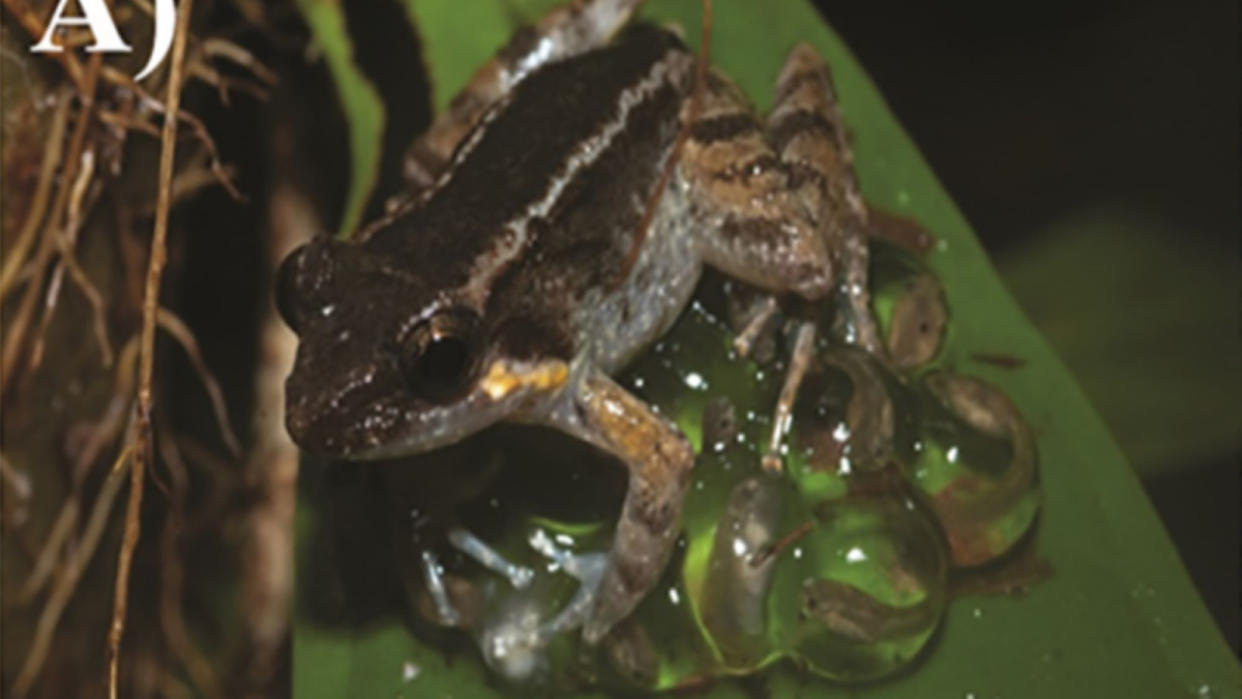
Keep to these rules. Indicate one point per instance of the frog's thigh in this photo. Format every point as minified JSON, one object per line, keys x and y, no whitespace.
{"x":806,"y":131}
{"x":659,"y":459}
{"x":567,"y":30}
{"x":752,"y":221}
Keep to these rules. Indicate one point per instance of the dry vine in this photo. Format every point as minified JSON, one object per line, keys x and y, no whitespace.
{"x":89,"y":118}
{"x":143,"y":442}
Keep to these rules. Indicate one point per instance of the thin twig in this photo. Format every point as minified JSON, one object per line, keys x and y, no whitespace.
{"x":172,"y":574}
{"x":146,"y":355}
{"x":54,"y":146}
{"x":49,"y":305}
{"x":207,"y":73}
{"x":17,"y":483}
{"x":65,"y":242}
{"x":765,"y":555}
{"x":98,"y":306}
{"x":181,"y":332}
{"x":14,"y":343}
{"x":70,"y":574}
{"x":45,"y":564}
{"x":116,"y":77}
{"x":187,"y":182}
{"x":122,"y":121}
{"x":104,"y":432}
{"x":226,"y":49}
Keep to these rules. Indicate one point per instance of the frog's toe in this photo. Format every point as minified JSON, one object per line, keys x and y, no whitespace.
{"x":474,"y":547}
{"x":433,"y":577}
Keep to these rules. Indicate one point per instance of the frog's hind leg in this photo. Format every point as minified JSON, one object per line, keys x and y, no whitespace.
{"x":465,"y":541}
{"x":782,"y":208}
{"x":659,"y":459}
{"x":782,"y":420}
{"x":568,"y":30}
{"x":752,"y":224}
{"x":806,"y":131}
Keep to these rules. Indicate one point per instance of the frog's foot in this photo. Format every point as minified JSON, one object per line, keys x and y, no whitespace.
{"x":444,"y":604}
{"x":433,"y":578}
{"x":757,"y":321}
{"x":587,"y":568}
{"x":659,"y":459}
{"x":782,"y":419}
{"x":474,"y":547}
{"x":514,"y":642}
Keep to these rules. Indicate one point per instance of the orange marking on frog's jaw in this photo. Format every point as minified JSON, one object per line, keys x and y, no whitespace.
{"x":502,"y":378}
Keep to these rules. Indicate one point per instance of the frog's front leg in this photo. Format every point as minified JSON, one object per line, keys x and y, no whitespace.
{"x":659,"y":459}
{"x":567,"y":30}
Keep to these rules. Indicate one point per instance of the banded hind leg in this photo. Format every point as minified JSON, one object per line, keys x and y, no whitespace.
{"x":566,"y":31}
{"x":782,"y":209}
{"x":806,"y":131}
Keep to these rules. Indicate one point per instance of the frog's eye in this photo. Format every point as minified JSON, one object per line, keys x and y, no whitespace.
{"x":286,"y":291}
{"x":438,"y":356}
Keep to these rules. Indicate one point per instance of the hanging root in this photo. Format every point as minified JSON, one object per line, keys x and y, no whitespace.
{"x":146,"y":356}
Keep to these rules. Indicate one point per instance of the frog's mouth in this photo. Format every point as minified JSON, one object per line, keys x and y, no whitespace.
{"x":356,"y":423}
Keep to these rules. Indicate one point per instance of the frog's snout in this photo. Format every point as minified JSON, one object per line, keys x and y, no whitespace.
{"x":303,"y":282}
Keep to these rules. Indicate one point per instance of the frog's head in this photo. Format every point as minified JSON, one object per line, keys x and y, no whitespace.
{"x":387,"y":366}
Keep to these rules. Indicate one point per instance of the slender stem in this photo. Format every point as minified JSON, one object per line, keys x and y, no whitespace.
{"x":146,"y":357}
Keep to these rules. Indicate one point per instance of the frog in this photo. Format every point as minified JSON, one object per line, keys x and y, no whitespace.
{"x":560,"y":214}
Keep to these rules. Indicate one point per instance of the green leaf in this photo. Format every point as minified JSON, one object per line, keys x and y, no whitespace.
{"x":364,"y":111}
{"x":1119,"y":617}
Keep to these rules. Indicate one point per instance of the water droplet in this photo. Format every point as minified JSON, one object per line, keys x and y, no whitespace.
{"x":695,"y":381}
{"x":409,"y":671}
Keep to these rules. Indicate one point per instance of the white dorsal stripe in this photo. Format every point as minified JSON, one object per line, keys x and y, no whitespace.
{"x":492,"y":262}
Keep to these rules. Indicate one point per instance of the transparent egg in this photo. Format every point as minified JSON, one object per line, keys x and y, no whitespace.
{"x":858,"y":596}
{"x":976,"y":463}
{"x":846,"y":423}
{"x":734,"y":597}
{"x":910,"y":306}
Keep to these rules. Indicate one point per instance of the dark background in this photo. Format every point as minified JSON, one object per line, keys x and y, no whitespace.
{"x":1031,"y":113}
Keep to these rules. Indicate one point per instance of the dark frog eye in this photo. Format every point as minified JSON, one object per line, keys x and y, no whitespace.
{"x":440,"y":354}
{"x":288,"y":304}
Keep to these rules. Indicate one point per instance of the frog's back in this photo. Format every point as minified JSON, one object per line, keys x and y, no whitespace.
{"x":542,"y":200}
